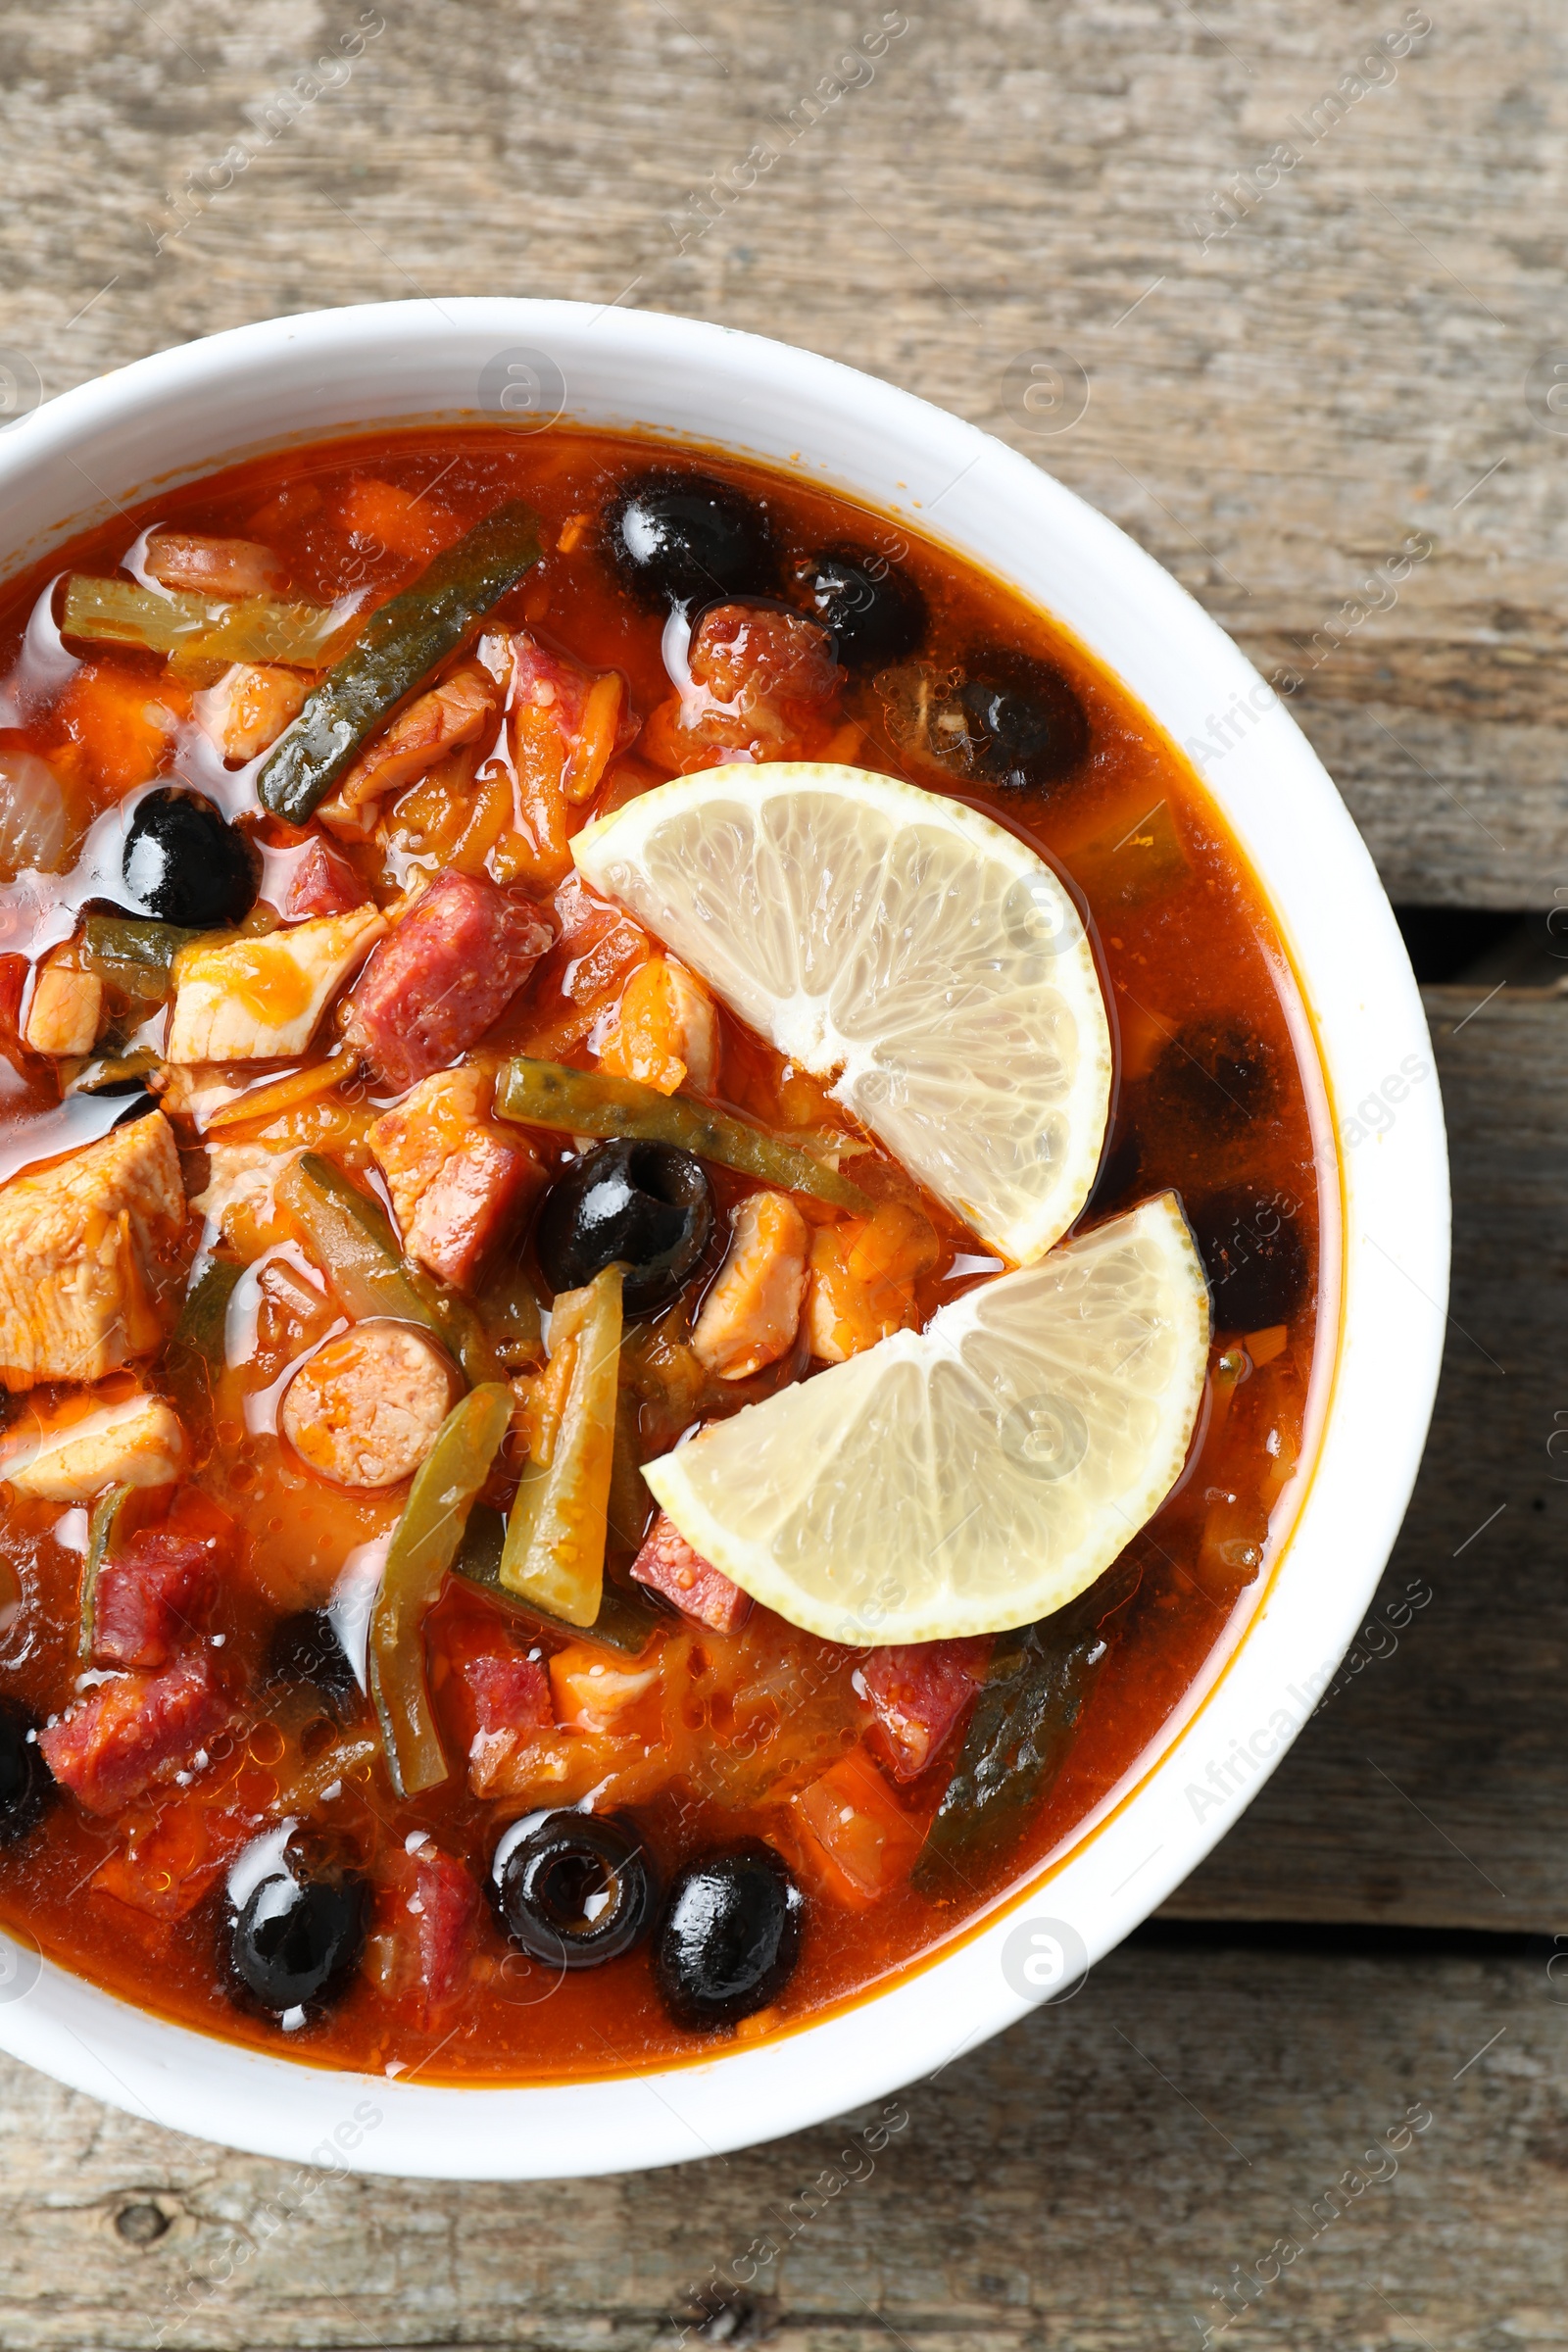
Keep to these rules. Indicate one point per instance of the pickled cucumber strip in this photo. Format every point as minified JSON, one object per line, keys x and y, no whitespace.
{"x":425,"y":1543}
{"x":202,"y":628}
{"x":196,"y":1361}
{"x":399,"y":647}
{"x":132,"y":953}
{"x":119,"y":1074}
{"x":509,"y":1312}
{"x":102,"y":1529}
{"x":545,"y":1094}
{"x":352,"y":1236}
{"x":627,"y":1621}
{"x":555,"y":1534}
{"x":354,"y":1241}
{"x":1025,"y":1719}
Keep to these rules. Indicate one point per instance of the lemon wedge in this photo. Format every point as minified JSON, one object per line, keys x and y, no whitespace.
{"x":973,"y":1476}
{"x":903,"y":945}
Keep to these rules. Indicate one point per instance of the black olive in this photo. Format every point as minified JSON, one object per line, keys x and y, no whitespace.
{"x":648,"y":1205}
{"x":297,"y":1938}
{"x":577,"y":1888}
{"x":185,"y":863}
{"x":307,"y":1649}
{"x":1254,"y":1255}
{"x":875,"y":611}
{"x":685,"y":539}
{"x":730,"y":1936}
{"x":1026,"y":727}
{"x":1214,"y":1077}
{"x":26,"y":1786}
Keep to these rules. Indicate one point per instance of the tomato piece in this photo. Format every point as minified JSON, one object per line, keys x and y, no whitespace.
{"x":403,"y":522}
{"x":855,"y":1833}
{"x":170,"y":1864}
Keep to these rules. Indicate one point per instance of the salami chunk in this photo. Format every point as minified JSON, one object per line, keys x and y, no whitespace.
{"x":448,"y":972}
{"x":506,"y":1708}
{"x":434,"y":1905}
{"x":136,"y":1730}
{"x":321,"y":881}
{"x":152,"y":1596}
{"x":919,"y":1690}
{"x":699,"y":1590}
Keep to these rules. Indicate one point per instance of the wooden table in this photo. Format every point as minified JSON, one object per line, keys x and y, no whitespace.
{"x":1286,"y":383}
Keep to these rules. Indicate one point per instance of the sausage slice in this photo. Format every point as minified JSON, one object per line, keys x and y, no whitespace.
{"x":364,"y":1410}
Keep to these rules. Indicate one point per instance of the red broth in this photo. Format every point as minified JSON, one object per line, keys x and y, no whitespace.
{"x":1215,"y":1096}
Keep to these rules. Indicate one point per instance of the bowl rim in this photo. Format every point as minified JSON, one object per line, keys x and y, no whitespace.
{"x":890,"y":451}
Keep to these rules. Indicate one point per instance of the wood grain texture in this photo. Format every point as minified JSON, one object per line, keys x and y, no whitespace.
{"x":1274,"y":409}
{"x":1429,"y":1788}
{"x":1085,"y":2181}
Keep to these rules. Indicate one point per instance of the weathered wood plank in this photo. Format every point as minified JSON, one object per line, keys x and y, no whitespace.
{"x":1430,"y":1788}
{"x":1275,"y":406}
{"x":1274,"y":414}
{"x":1088,"y":2181}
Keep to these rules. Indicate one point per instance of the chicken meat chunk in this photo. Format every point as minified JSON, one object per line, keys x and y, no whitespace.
{"x":259,"y":1000}
{"x":76,"y":1251}
{"x":71,"y":1455}
{"x":751,"y":1315}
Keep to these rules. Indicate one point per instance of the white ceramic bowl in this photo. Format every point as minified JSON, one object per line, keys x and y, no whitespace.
{"x":186,"y":412}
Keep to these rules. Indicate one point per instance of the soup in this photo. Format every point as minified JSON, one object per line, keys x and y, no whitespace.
{"x":382,"y":1197}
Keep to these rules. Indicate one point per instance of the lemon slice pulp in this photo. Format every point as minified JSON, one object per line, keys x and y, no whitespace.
{"x":973,"y":1476}
{"x":906,"y":946}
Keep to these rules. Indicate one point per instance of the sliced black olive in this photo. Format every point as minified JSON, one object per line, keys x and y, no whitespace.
{"x":1254,"y":1257}
{"x":1000,"y":721}
{"x":184,"y":863}
{"x":1215,"y":1077}
{"x":1026,"y":727}
{"x":730,"y":1936}
{"x":306,"y":1649}
{"x":576,"y":1889}
{"x":686,"y":538}
{"x":875,"y":611}
{"x":648,"y":1205}
{"x":296,"y":1941}
{"x":26,"y":1784}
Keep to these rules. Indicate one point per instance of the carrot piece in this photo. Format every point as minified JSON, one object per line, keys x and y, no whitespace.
{"x":597,"y":732}
{"x":285,"y":1094}
{"x":405,"y":522}
{"x":898,"y":1243}
{"x":122,"y":723}
{"x":537,"y":852}
{"x":489,"y":813}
